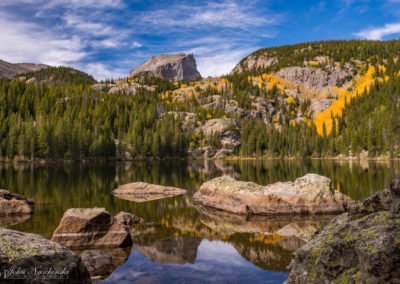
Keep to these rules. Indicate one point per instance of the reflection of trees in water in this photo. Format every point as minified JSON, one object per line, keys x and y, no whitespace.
{"x":55,"y":188}
{"x":357,"y":179}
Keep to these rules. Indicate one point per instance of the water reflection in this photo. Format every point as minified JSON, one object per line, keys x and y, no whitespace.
{"x":216,"y":262}
{"x":182,"y":240}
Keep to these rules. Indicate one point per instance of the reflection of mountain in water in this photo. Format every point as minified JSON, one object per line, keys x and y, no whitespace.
{"x":175,"y":249}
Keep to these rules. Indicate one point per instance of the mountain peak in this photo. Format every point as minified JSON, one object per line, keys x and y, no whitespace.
{"x":174,"y":67}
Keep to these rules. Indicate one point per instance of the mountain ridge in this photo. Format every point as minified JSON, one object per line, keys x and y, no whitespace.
{"x":10,"y":70}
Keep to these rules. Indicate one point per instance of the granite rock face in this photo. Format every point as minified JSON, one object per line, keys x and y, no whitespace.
{"x":317,"y":78}
{"x":26,"y":252}
{"x":142,"y":191}
{"x":318,"y":106}
{"x":174,"y":67}
{"x":90,"y":227}
{"x":253,"y":62}
{"x":360,"y":246}
{"x":13,"y":204}
{"x":310,"y":194}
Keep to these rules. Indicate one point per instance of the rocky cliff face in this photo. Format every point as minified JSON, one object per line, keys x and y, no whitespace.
{"x":9,"y":70}
{"x":175,"y":67}
{"x":253,"y":62}
{"x":317,"y":78}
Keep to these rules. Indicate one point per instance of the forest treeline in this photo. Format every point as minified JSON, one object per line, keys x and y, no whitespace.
{"x":65,"y":118}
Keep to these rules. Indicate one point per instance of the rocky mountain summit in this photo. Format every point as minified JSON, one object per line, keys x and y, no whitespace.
{"x":9,"y":70}
{"x":174,"y":67}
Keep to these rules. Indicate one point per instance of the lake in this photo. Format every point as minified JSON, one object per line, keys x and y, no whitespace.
{"x":184,"y":244}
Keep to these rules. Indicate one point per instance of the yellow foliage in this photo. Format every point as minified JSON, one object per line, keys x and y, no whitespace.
{"x":209,"y":115}
{"x":183,"y":86}
{"x":382,"y":68}
{"x":364,"y":82}
{"x":176,"y":83}
{"x":292,"y":122}
{"x":290,"y":100}
{"x":313,"y":63}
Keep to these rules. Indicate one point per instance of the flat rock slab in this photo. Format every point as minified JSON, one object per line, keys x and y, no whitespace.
{"x":14,"y":204}
{"x":310,"y":194}
{"x":90,"y":227}
{"x":25,"y":252}
{"x":142,"y":191}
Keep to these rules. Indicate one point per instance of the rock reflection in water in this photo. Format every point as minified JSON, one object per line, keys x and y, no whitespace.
{"x":8,"y":221}
{"x":175,"y":249}
{"x":268,"y":242}
{"x":101,"y":268}
{"x":302,"y":227}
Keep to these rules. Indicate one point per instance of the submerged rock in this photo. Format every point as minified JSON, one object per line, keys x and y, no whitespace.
{"x":128,"y":220}
{"x":101,"y":263}
{"x":90,"y":227}
{"x":361,"y":246}
{"x":29,"y":252}
{"x":311,"y":194}
{"x":14,"y":204}
{"x":142,"y":191}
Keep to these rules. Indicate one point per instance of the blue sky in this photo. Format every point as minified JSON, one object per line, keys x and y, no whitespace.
{"x":107,"y":38}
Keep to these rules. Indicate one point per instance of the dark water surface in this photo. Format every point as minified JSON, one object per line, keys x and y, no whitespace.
{"x":187,"y":244}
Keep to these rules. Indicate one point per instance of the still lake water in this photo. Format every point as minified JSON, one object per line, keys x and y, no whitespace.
{"x":186,"y":244}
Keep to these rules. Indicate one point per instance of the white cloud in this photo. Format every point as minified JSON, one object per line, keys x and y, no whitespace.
{"x":101,"y":71}
{"x":379,"y":33}
{"x":228,"y":14}
{"x":29,"y":42}
{"x":136,"y":44}
{"x":220,"y":63}
{"x":49,"y":4}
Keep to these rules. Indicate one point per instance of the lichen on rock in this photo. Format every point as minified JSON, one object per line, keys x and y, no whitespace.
{"x":360,"y":246}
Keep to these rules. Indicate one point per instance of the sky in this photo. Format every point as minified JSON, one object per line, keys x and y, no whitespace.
{"x":107,"y":38}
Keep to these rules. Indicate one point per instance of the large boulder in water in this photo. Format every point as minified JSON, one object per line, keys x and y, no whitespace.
{"x":142,"y":191}
{"x":310,"y":194}
{"x":361,"y":246}
{"x":14,"y":204}
{"x":24,"y":256}
{"x":90,"y":227}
